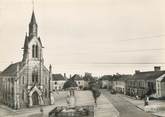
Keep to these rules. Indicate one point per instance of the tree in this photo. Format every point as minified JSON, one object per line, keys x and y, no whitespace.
{"x":94,"y":87}
{"x":70,"y":83}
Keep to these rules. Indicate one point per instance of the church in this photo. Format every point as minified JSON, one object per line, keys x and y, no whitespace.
{"x":27,"y":83}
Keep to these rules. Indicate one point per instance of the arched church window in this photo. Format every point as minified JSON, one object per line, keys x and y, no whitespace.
{"x":36,"y":51}
{"x":35,"y":76}
{"x":33,"y":51}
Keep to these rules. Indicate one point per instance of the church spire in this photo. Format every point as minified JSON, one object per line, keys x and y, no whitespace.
{"x":33,"y":18}
{"x":33,"y":26}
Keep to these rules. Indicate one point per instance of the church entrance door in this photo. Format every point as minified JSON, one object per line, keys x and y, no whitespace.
{"x":35,"y":98}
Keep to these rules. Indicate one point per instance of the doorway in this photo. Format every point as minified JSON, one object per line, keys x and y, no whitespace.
{"x":35,"y":98}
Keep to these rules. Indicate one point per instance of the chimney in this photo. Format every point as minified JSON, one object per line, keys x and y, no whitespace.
{"x":157,"y":68}
{"x":137,"y":71}
{"x":64,"y":75}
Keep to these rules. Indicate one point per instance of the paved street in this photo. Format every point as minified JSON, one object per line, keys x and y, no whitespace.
{"x":104,"y":108}
{"x":125,"y":108}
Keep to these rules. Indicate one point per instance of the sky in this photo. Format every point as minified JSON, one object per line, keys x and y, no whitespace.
{"x":97,"y":36}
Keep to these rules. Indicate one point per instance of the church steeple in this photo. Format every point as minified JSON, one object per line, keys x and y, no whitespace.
{"x":33,"y":27}
{"x":32,"y":45}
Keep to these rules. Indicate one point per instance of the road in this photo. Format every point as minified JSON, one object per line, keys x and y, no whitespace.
{"x":125,"y":108}
{"x":4,"y":111}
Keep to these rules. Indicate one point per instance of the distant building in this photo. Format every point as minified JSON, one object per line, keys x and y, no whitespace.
{"x":106,"y":81}
{"x":58,"y":81}
{"x":27,"y":83}
{"x":144,"y":83}
{"x":119,"y":83}
{"x":87,"y":78}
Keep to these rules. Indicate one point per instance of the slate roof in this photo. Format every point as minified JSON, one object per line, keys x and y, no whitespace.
{"x":11,"y":70}
{"x":125,"y":77}
{"x":107,"y":77}
{"x":77,"y":77}
{"x":58,"y":77}
{"x":87,"y":78}
{"x":150,"y":75}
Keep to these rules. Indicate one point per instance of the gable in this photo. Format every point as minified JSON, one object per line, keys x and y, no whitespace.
{"x":36,"y":41}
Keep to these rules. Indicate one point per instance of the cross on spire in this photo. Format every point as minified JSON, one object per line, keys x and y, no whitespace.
{"x":33,"y":5}
{"x":33,"y":26}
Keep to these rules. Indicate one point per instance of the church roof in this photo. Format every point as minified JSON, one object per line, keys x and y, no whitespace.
{"x":11,"y":70}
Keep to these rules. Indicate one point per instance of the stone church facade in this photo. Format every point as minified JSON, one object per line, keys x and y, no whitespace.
{"x":27,"y":83}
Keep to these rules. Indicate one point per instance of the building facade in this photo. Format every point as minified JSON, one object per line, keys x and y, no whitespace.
{"x":144,"y":83}
{"x":106,"y":82}
{"x":160,"y":86}
{"x":27,"y":83}
{"x":120,"y":82}
{"x":58,"y":81}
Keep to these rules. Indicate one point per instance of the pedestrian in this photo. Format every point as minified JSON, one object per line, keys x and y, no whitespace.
{"x":95,"y":100}
{"x":146,"y":100}
{"x":68,"y":100}
{"x":41,"y":109}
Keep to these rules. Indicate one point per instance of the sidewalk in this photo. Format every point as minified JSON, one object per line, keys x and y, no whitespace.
{"x":155,"y":107}
{"x":105,"y":108}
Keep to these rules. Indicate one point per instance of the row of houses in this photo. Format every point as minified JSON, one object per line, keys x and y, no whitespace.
{"x":58,"y":81}
{"x":139,"y":84}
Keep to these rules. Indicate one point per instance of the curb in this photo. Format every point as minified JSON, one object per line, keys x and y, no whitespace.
{"x":142,"y":108}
